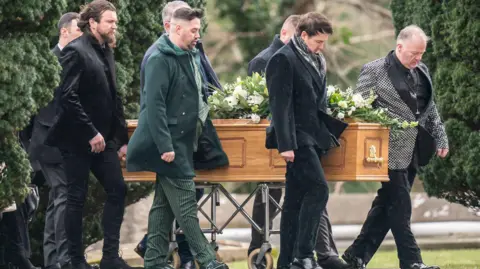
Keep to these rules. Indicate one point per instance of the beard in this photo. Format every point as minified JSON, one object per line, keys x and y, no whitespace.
{"x":107,"y":37}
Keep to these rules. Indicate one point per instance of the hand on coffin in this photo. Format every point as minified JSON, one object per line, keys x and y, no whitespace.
{"x":122,"y":153}
{"x":289,"y":156}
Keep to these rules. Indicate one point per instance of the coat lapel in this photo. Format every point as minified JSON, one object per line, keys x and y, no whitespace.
{"x":308,"y":66}
{"x":111,"y":66}
{"x":186,"y":68}
{"x":400,"y":86}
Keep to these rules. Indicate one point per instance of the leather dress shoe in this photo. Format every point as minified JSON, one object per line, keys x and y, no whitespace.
{"x":307,"y":263}
{"x":353,"y":262}
{"x":115,"y":263}
{"x":333,"y":262}
{"x":422,"y":266}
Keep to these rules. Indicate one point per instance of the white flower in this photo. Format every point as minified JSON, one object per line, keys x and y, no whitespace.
{"x":352,"y":109}
{"x":239,"y":91}
{"x":329,"y":111}
{"x":340,"y":115}
{"x":239,"y":79}
{"x":358,"y":100}
{"x":343,"y":104}
{"x":255,"y":118}
{"x":330,"y":90}
{"x":349,"y":113}
{"x":232,"y":100}
{"x":255,"y":99}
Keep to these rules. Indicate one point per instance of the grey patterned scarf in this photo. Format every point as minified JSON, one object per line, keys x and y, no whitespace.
{"x":316,"y":60}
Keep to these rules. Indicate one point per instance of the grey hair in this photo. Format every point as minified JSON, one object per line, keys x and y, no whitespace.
{"x":170,"y":7}
{"x":410,"y":31}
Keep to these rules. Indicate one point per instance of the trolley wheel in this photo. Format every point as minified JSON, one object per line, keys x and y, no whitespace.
{"x":174,"y":259}
{"x":267,"y":261}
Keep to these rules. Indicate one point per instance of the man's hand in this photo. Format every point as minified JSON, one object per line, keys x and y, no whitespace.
{"x":289,"y":156}
{"x":442,"y":153}
{"x":122,"y":153}
{"x":97,"y":143}
{"x":168,"y":156}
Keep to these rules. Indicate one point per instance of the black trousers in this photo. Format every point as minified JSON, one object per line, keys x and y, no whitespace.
{"x":325,"y":246}
{"x":306,"y":196}
{"x":14,"y":238}
{"x":391,"y":209}
{"x":55,"y":247}
{"x":106,"y":168}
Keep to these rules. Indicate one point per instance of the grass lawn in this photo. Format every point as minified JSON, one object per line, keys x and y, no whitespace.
{"x":446,"y":259}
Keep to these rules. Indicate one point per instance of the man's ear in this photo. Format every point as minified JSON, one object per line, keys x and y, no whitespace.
{"x":93,"y":24}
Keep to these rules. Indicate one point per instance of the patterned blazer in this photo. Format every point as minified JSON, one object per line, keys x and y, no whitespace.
{"x":375,"y":76}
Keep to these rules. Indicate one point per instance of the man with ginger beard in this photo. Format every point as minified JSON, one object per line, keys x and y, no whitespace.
{"x":90,"y":131}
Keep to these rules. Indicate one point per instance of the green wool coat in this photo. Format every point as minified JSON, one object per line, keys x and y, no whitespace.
{"x":168,"y":114}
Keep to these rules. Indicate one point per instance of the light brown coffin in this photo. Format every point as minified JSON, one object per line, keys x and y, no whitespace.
{"x":362,"y":155}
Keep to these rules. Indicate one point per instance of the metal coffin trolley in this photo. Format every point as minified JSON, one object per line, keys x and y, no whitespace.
{"x":362,"y":156}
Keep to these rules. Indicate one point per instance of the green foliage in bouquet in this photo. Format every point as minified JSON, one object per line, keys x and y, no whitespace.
{"x":245,"y":98}
{"x":345,"y":104}
{"x":248,"y":98}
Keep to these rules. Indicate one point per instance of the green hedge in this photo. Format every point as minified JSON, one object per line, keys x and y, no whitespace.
{"x":139,"y":26}
{"x":454,"y":60}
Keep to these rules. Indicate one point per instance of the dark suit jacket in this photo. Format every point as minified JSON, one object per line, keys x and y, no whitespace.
{"x":87,"y":101}
{"x":259,"y":63}
{"x":298,"y":103}
{"x":37,"y":150}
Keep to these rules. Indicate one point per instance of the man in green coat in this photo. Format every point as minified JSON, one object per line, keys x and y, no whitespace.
{"x":172,"y":116}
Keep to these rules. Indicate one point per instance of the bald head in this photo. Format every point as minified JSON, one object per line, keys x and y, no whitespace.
{"x":288,"y":28}
{"x":411,"y":45}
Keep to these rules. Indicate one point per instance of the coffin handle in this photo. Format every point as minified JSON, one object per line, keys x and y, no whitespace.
{"x":372,"y":156}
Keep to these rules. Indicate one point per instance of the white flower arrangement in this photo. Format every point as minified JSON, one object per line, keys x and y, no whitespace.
{"x":247,"y":98}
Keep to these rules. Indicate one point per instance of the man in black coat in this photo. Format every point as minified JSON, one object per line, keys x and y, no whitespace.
{"x":91,"y":132}
{"x":48,"y":160}
{"x":302,"y":132}
{"x":327,"y":254}
{"x":404,"y":87}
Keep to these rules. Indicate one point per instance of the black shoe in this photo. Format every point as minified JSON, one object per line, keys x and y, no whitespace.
{"x":81,"y":265}
{"x":307,"y":263}
{"x":353,"y":262}
{"x":116,"y":263}
{"x":422,"y":266}
{"x":188,"y":265}
{"x":141,"y":248}
{"x":333,"y":262}
{"x":214,"y":265}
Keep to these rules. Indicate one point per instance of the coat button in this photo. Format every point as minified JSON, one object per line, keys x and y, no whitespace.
{"x":183,"y":95}
{"x":183,"y":113}
{"x":181,"y":132}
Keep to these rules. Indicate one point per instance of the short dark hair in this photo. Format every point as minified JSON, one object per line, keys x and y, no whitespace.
{"x":313,"y":23}
{"x":67,"y":19}
{"x":93,"y":10}
{"x":188,"y":14}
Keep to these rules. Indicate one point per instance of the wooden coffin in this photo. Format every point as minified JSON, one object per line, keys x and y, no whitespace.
{"x":362,"y":156}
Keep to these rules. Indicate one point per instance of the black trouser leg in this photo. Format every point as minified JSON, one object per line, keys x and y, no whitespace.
{"x":325,"y":246}
{"x":106,"y":168}
{"x":258,"y":216}
{"x":306,"y":195}
{"x":391,"y":209}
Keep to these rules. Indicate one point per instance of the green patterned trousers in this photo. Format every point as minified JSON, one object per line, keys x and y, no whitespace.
{"x":174,"y":199}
